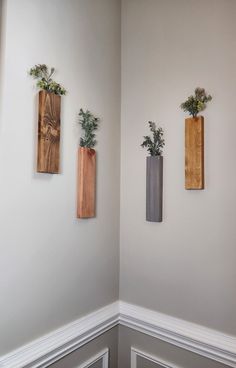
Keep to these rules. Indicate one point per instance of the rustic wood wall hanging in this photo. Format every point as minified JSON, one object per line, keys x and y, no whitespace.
{"x":194,"y":153}
{"x":194,"y":138}
{"x":154,"y":172}
{"x":154,"y":188}
{"x":86,"y":187}
{"x":86,"y":182}
{"x":48,"y":157}
{"x":48,"y":154}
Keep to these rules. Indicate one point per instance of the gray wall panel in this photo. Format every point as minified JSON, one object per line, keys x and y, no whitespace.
{"x":145,"y":363}
{"x":163,"y":351}
{"x":107,"y":340}
{"x":98,"y":364}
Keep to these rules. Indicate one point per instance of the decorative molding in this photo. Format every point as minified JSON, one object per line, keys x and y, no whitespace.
{"x":48,"y":349}
{"x":104,"y":355}
{"x":135,"y":353}
{"x":195,"y":338}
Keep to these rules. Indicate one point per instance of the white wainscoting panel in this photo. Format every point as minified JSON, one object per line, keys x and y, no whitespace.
{"x":135,"y":353}
{"x":198,"y":339}
{"x":104,"y":355}
{"x":48,"y":349}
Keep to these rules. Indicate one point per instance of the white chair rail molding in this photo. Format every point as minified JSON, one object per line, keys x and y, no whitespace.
{"x":59,"y":343}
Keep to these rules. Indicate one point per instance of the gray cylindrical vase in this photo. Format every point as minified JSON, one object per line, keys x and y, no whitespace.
{"x":154,"y":188}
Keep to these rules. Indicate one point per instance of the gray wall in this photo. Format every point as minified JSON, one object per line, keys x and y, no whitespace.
{"x":98,"y":364}
{"x":107,"y":340}
{"x":54,"y":267}
{"x":162,"y":351}
{"x":145,"y":363}
{"x":184,"y":266}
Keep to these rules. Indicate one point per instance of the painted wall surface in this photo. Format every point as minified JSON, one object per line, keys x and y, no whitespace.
{"x":54,"y":267}
{"x":77,"y":358}
{"x":97,"y":364}
{"x":163,"y":351}
{"x":184,"y":266}
{"x":145,"y":363}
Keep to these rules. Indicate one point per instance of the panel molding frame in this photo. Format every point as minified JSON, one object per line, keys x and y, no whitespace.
{"x":201,"y":340}
{"x":46,"y":350}
{"x":135,"y":353}
{"x":198,"y":339}
{"x":104,"y":355}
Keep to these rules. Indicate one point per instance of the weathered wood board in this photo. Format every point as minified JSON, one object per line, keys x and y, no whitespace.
{"x":86,"y":190}
{"x":48,"y":158}
{"x":194,"y":153}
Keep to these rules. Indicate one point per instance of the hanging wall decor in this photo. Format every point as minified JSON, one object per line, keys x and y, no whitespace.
{"x":154,"y":173}
{"x":194,"y":139}
{"x":48,"y":154}
{"x":86,"y":189}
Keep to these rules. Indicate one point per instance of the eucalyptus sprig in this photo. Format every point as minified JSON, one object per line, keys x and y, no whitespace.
{"x":45,"y":81}
{"x":89,"y":124}
{"x":195,"y":104}
{"x":155,"y":143}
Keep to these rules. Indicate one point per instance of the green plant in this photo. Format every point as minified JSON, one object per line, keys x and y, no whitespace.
{"x":89,"y":124}
{"x":195,"y":104}
{"x":45,"y":81}
{"x":155,"y":143}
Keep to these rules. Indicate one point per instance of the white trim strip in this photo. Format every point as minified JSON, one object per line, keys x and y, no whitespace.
{"x":104,"y":355}
{"x":48,"y":349}
{"x":198,"y":339}
{"x":135,"y":353}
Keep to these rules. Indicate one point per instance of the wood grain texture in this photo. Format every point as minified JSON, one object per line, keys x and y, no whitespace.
{"x":86,"y":182}
{"x":48,"y":158}
{"x":194,"y":153}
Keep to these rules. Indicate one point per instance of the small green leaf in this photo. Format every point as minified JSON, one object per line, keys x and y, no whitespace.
{"x":155,"y":143}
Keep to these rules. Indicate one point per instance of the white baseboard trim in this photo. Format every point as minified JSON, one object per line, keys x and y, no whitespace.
{"x":48,"y":349}
{"x":135,"y":353}
{"x":104,"y":355}
{"x":195,"y":338}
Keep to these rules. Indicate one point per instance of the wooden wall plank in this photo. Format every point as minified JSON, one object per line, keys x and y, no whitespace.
{"x":154,"y":188}
{"x":48,"y":159}
{"x":86,"y":182}
{"x":194,"y":153}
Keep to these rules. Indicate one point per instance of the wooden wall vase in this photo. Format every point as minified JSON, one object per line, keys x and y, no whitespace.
{"x":86,"y":182}
{"x":194,"y":153}
{"x":154,"y":188}
{"x":48,"y":158}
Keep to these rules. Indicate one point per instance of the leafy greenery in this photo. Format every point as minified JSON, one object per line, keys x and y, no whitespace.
{"x":89,"y":124}
{"x":45,"y":81}
{"x":155,"y":143}
{"x":195,"y":104}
